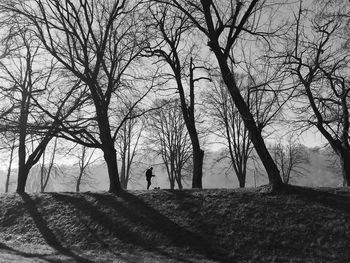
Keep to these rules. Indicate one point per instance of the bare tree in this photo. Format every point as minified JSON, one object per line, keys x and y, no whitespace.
{"x":8,"y":146}
{"x":50,"y":170}
{"x":262,"y":87}
{"x":169,"y":138}
{"x":223,"y":24}
{"x":84,"y":176}
{"x":27,"y":77}
{"x":127,"y":143}
{"x":291,"y":159}
{"x":171,"y":27}
{"x":97,"y":41}
{"x":319,"y":60}
{"x":228,"y":125}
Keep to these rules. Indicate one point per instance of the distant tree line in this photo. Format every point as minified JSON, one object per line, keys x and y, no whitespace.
{"x":114,"y":76}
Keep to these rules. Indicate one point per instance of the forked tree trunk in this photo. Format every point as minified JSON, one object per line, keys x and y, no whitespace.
{"x":179,"y":183}
{"x":24,"y":166}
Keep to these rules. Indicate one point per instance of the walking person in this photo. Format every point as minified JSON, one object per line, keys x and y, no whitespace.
{"x":149,"y":175}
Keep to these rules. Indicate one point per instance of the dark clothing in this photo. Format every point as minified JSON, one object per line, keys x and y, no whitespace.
{"x":149,"y":175}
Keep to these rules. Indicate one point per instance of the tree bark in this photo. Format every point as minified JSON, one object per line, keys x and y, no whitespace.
{"x":108,"y":148}
{"x":77,"y":186}
{"x":123,"y":179}
{"x":24,"y":166}
{"x":198,"y":155}
{"x":241,"y":179}
{"x":110,"y":156}
{"x":178,"y":181}
{"x":345,"y":164}
{"x":23,"y":169}
{"x":23,"y":172}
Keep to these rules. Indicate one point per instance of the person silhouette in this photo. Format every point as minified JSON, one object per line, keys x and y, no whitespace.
{"x":149,"y":175}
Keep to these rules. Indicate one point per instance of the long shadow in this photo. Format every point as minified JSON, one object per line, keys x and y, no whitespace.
{"x":27,"y":255}
{"x":138,"y":213}
{"x":331,"y":200}
{"x":46,"y":232}
{"x":180,"y":237}
{"x":119,"y":229}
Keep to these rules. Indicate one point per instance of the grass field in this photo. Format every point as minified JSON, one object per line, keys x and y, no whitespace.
{"x":219,"y":225}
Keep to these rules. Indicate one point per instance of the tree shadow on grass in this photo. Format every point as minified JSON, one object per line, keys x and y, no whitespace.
{"x":138,"y":224}
{"x":323,"y":197}
{"x":46,"y":232}
{"x":27,"y":255}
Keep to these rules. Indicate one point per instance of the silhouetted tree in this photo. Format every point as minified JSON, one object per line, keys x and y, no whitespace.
{"x":8,"y":145}
{"x":28,"y":79}
{"x":223,"y":23}
{"x":291,"y":159}
{"x":262,"y":87}
{"x":228,"y":125}
{"x":49,"y":169}
{"x":127,"y":143}
{"x":169,"y":138}
{"x":318,"y":57}
{"x":97,"y":42}
{"x":83,"y":177}
{"x":171,"y":43}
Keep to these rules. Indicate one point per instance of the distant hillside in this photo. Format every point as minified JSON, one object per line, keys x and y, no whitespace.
{"x":216,"y":175}
{"x":302,"y":225}
{"x":319,"y":173}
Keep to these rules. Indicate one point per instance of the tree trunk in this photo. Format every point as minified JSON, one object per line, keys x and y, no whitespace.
{"x":9,"y":169}
{"x":172,"y":184}
{"x":81,"y":174}
{"x":42,"y":174}
{"x":7,"y":183}
{"x":173,"y":172}
{"x":109,"y":151}
{"x":178,"y":179}
{"x":188,"y":112}
{"x":110,"y":157}
{"x":23,"y":172}
{"x":25,"y":166}
{"x":254,"y":132}
{"x":179,"y":184}
{"x":123,"y":180}
{"x":22,"y":168}
{"x":241,"y":179}
{"x":198,"y":155}
{"x":77,"y":186}
{"x":345,"y":165}
{"x":241,"y":183}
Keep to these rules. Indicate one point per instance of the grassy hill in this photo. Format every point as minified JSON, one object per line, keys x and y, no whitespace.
{"x":301,"y":225}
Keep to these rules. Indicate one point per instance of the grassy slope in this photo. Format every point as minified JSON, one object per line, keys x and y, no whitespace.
{"x":177,"y":226}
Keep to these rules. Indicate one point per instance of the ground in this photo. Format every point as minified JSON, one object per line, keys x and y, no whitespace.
{"x":218,"y":225}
